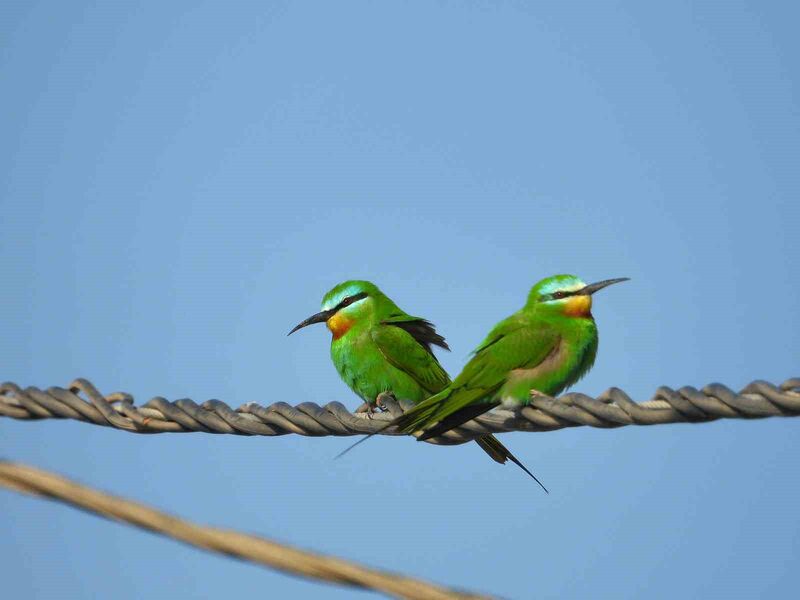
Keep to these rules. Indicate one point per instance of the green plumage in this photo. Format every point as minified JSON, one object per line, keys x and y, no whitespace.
{"x":376,"y":354}
{"x":377,"y":347}
{"x":546,"y":346}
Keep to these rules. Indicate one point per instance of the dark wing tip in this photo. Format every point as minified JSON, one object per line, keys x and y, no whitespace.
{"x":434,"y":338}
{"x":423,"y":331}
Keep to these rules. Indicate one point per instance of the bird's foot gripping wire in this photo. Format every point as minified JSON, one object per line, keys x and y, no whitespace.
{"x":537,"y":394}
{"x":367,"y":408}
{"x":387,"y":402}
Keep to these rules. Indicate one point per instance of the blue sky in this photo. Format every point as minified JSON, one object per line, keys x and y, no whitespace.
{"x":181,"y":183}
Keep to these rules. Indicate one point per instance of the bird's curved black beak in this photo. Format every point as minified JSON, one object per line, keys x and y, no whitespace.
{"x":320,"y":317}
{"x":594,"y":287}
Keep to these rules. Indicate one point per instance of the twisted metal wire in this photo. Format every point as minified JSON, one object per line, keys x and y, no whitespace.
{"x":82,"y":401}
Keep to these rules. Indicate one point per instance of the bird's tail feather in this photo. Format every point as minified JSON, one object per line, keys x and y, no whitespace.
{"x":410,"y":421}
{"x":450,"y":418}
{"x":498,"y":452}
{"x":423,"y":414}
{"x":417,"y":417}
{"x":492,"y":446}
{"x":443,"y":418}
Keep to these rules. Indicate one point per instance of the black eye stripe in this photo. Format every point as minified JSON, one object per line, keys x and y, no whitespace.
{"x":559,"y":295}
{"x":349,"y":300}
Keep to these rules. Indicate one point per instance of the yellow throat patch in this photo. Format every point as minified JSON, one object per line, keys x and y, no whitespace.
{"x":578,"y":306}
{"x":339,"y":325}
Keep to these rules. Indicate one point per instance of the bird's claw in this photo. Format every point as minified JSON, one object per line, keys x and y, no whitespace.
{"x":366,"y":408}
{"x":379,"y":400}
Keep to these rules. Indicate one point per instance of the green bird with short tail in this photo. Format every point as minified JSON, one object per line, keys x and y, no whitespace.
{"x":543,"y":348}
{"x":376,"y":347}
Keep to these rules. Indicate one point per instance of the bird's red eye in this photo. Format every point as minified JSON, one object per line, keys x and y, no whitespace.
{"x":559,"y":295}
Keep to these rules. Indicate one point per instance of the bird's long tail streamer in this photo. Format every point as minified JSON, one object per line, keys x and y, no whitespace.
{"x":492,"y":446}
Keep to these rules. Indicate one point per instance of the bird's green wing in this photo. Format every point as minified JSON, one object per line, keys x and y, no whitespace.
{"x":513,"y":344}
{"x":403,"y":351}
{"x":424,"y":334}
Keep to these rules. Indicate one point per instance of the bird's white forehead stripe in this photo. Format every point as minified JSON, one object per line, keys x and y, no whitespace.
{"x":333,"y":302}
{"x":330,"y":303}
{"x":564,"y":286}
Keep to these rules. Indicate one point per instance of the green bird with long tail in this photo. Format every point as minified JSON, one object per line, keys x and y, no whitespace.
{"x":376,"y":348}
{"x":543,"y":348}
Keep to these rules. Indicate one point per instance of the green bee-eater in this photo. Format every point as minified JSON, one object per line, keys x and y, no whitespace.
{"x":376,"y":348}
{"x":545,"y":347}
